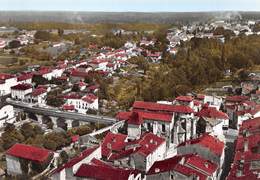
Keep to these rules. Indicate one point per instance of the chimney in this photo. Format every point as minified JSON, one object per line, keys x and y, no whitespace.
{"x":246,"y":145}
{"x":206,"y":164}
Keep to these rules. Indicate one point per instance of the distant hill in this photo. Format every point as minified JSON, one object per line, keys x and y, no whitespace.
{"x":121,"y":17}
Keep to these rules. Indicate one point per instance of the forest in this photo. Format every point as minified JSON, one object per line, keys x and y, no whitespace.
{"x":198,"y":64}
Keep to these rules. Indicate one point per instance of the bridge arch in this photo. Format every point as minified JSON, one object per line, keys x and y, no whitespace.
{"x":61,"y":122}
{"x":46,"y":119}
{"x":32,"y":116}
{"x":75,"y":123}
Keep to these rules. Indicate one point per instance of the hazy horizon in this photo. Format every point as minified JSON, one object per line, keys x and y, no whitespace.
{"x":131,"y":5}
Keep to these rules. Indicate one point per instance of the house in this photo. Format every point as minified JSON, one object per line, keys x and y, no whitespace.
{"x":152,"y":149}
{"x":207,"y":146}
{"x":97,"y":169}
{"x":212,"y":121}
{"x":154,"y":56}
{"x":38,"y":96}
{"x":233,"y":104}
{"x":112,"y":144}
{"x":243,"y":115}
{"x":140,"y":153}
{"x":33,"y":155}
{"x":67,"y":170}
{"x":185,"y":100}
{"x":6,"y":114}
{"x":183,"y":167}
{"x":247,"y":157}
{"x":45,"y":72}
{"x":213,"y":101}
{"x":77,"y":76}
{"x":141,"y":122}
{"x":6,"y":82}
{"x":81,"y":103}
{"x":20,"y":91}
{"x":145,"y":42}
{"x":184,"y":123}
{"x":25,"y":78}
{"x":99,"y":64}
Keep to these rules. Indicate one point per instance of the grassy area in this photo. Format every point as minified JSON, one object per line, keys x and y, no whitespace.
{"x":7,"y":60}
{"x":94,"y":28}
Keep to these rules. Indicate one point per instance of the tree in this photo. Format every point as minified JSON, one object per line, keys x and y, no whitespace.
{"x":11,"y":136}
{"x":64,"y":157}
{"x":54,"y":101}
{"x":27,"y":130}
{"x":39,"y":80}
{"x":60,"y":32}
{"x":42,"y":35}
{"x":14,"y":44}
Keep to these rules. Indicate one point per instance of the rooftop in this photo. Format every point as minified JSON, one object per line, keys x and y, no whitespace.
{"x":29,"y":152}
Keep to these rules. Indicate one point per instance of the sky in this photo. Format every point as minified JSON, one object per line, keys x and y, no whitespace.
{"x":132,"y":5}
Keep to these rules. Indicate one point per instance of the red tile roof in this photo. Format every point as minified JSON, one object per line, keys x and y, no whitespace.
{"x":200,"y":97}
{"x":149,"y":143}
{"x":184,"y":98}
{"x":43,"y":70}
{"x":4,"y":76}
{"x":250,"y":125}
{"x":189,"y":172}
{"x":89,"y":98}
{"x":139,"y":117}
{"x":22,"y":87}
{"x":98,"y":61}
{"x":93,"y":87}
{"x":246,"y":151}
{"x":68,"y":107}
{"x":25,"y":76}
{"x":29,"y":152}
{"x":236,"y":98}
{"x":71,"y":96}
{"x":212,"y":112}
{"x":164,"y":165}
{"x":76,"y":73}
{"x":113,"y":142}
{"x":253,"y":111}
{"x":207,"y":141}
{"x":38,"y":91}
{"x":76,"y":160}
{"x":123,"y":115}
{"x":151,"y":106}
{"x":103,"y":172}
{"x":204,"y":165}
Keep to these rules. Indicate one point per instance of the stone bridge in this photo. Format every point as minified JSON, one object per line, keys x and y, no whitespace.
{"x":57,"y":117}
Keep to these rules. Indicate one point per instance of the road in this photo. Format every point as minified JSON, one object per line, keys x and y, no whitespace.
{"x":61,"y":114}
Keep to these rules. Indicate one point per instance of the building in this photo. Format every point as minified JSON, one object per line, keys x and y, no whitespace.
{"x":6,"y":82}
{"x":152,"y":149}
{"x":33,"y":155}
{"x":6,"y":114}
{"x":20,"y":91}
{"x":37,"y":96}
{"x":212,"y":121}
{"x":81,"y":103}
{"x":67,"y":170}
{"x":191,"y":166}
{"x":247,"y":157}
{"x":25,"y":78}
{"x":175,"y":123}
{"x":207,"y":146}
{"x":101,"y":170}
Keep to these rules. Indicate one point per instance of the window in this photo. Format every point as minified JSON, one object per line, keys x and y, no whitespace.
{"x":163,"y":127}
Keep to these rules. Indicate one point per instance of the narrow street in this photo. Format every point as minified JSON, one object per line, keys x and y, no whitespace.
{"x":231,"y":136}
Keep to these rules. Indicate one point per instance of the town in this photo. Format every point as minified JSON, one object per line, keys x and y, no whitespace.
{"x":119,"y":106}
